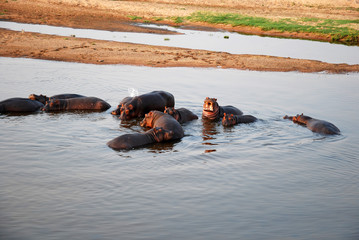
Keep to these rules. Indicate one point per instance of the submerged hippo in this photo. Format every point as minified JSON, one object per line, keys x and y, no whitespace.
{"x":129,"y":141}
{"x":43,"y":98}
{"x":182,"y":115}
{"x":133,"y":107}
{"x":214,"y":112}
{"x":155,"y":119}
{"x":19,"y":105}
{"x":230,"y":119}
{"x":315,"y":125}
{"x":80,"y":103}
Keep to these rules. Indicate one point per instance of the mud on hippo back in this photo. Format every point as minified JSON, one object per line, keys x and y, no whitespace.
{"x":134,"y":107}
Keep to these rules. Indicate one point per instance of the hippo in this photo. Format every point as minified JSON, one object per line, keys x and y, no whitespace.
{"x":214,"y":112}
{"x":160,"y":119}
{"x":230,"y":119}
{"x":133,"y":107}
{"x":129,"y":141}
{"x":182,"y":115}
{"x":43,"y":98}
{"x":19,"y":105}
{"x":73,"y":104}
{"x":315,"y":125}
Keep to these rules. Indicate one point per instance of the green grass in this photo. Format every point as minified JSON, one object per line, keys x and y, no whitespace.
{"x":135,"y":17}
{"x":338,"y":30}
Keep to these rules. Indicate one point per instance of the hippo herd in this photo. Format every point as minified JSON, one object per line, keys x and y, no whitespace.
{"x":162,"y":120}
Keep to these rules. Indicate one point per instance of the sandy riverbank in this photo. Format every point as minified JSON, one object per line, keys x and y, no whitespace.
{"x":113,"y":15}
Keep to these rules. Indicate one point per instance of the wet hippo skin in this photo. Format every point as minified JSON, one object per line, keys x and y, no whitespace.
{"x":133,"y":107}
{"x":230,"y":119}
{"x":212,"y":111}
{"x":182,"y":115}
{"x":18,"y":105}
{"x":315,"y":125}
{"x":73,"y":104}
{"x":43,"y":98}
{"x":129,"y":141}
{"x":160,"y":119}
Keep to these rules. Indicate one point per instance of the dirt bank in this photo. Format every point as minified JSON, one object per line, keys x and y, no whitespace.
{"x":115,"y":15}
{"x":41,"y":46}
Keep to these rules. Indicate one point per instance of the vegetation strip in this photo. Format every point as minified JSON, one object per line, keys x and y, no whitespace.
{"x":338,"y":30}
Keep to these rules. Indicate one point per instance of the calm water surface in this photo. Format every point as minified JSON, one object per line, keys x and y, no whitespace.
{"x":210,"y":40}
{"x":268,"y":180}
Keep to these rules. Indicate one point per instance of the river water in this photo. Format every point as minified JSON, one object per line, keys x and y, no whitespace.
{"x":234,"y":43}
{"x":268,"y":180}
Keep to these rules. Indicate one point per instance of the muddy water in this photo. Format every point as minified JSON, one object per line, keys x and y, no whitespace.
{"x":214,"y":41}
{"x":268,"y":180}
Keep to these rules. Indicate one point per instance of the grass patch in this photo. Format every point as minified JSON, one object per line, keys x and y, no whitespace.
{"x":135,"y":18}
{"x":336,"y":29}
{"x":178,"y":19}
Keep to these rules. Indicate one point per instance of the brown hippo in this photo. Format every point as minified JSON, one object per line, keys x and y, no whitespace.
{"x":214,"y":112}
{"x":182,"y":115}
{"x":43,"y":98}
{"x":133,"y":107}
{"x":160,"y":119}
{"x":230,"y":119}
{"x":19,"y":105}
{"x":129,"y":141}
{"x":73,"y":104}
{"x":315,"y":125}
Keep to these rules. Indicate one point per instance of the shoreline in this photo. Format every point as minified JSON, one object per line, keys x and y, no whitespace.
{"x":99,"y":15}
{"x":82,"y":50}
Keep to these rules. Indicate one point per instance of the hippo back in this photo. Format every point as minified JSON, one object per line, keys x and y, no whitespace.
{"x":20,"y":105}
{"x":321,"y":126}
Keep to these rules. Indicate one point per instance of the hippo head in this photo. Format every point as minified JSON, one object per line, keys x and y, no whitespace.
{"x":148,"y":120}
{"x":160,"y":134}
{"x":210,"y":104}
{"x":127,"y":111}
{"x":228,"y":120}
{"x":41,"y":98}
{"x":210,"y":109}
{"x":117,"y":111}
{"x":301,"y":119}
{"x":171,"y":111}
{"x":53,"y":105}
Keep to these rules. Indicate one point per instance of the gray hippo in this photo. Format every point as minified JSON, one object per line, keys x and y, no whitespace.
{"x":73,"y":104}
{"x":230,"y":119}
{"x":129,"y":141}
{"x":20,"y":105}
{"x":44,"y":99}
{"x":212,"y":111}
{"x":133,"y":107}
{"x":160,"y":119}
{"x":182,"y":115}
{"x":315,"y":125}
